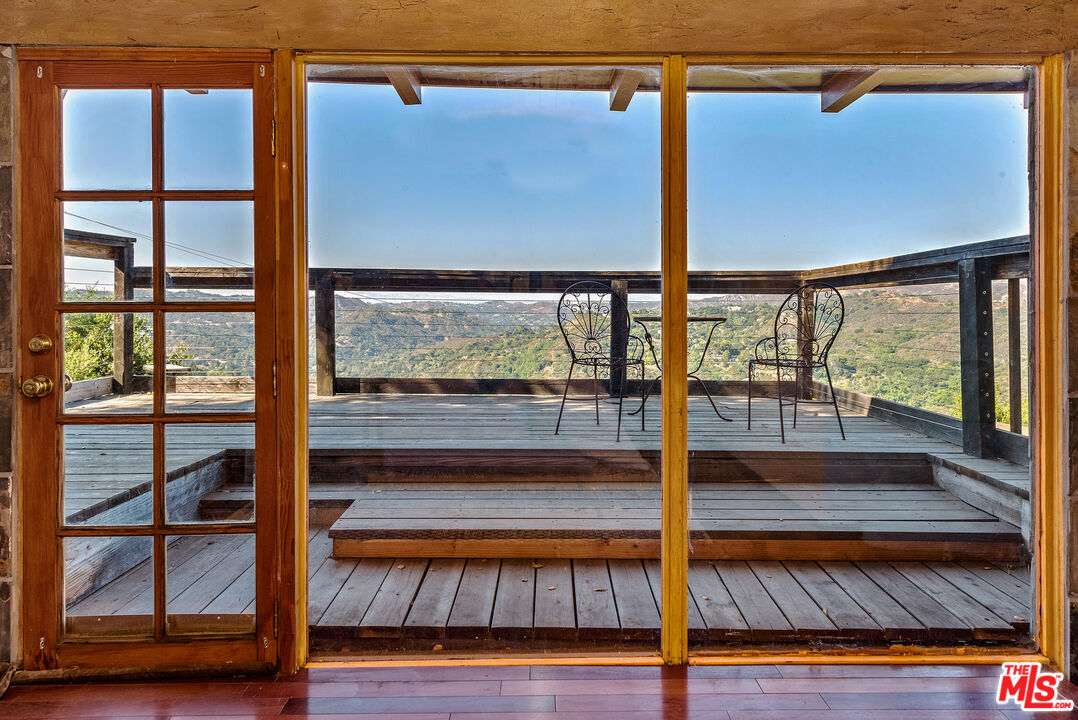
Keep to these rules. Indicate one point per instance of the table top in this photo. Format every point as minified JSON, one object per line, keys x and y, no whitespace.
{"x":692,"y":318}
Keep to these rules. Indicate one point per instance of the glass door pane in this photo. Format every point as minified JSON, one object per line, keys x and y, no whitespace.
{"x":857,"y":231}
{"x":481,"y":240}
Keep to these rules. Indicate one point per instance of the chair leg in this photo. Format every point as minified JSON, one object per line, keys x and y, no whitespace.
{"x":752,"y":366}
{"x":595,"y":376}
{"x":797,"y":391}
{"x":621,"y":401}
{"x":564,"y":394}
{"x":778,"y":391}
{"x":834,"y":400}
{"x":643,"y":397}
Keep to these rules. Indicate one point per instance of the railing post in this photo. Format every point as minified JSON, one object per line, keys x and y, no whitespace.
{"x":978,"y":371}
{"x":1014,"y":352}
{"x":806,"y":312}
{"x":325,"y":334}
{"x":619,"y":334}
{"x":123,"y":324}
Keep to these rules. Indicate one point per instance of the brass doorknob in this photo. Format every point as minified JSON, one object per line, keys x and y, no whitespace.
{"x":37,"y":387}
{"x":40,"y":344}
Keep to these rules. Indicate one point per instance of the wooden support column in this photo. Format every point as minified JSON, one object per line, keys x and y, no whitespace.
{"x":123,"y":324}
{"x":806,"y":321}
{"x":675,"y":428}
{"x":619,"y":334}
{"x":1014,"y":352}
{"x":978,"y":371}
{"x":325,"y":334}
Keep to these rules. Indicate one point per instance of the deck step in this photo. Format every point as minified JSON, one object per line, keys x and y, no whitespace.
{"x":742,"y":521}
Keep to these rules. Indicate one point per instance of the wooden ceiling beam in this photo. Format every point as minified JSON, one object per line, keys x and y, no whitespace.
{"x":844,"y":87}
{"x":406,"y":82}
{"x":623,"y":86}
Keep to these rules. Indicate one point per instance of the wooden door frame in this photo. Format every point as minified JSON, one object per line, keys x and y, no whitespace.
{"x":41,"y":72}
{"x":1050,"y":620}
{"x":289,"y":520}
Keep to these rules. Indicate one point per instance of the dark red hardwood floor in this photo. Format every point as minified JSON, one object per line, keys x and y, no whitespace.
{"x":759,"y":692}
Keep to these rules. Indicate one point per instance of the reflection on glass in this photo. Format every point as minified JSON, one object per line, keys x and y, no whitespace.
{"x":208,"y":139}
{"x":108,"y":251}
{"x":108,"y":586}
{"x":106,"y":139}
{"x":210,"y":584}
{"x":108,"y":474}
{"x":819,"y":515}
{"x":209,"y":250}
{"x":107,"y":361}
{"x":210,"y":472}
{"x":210,"y":363}
{"x":437,"y":394}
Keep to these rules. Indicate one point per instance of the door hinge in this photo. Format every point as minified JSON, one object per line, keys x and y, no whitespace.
{"x":275,"y":606}
{"x":274,"y":378}
{"x":273,"y":137}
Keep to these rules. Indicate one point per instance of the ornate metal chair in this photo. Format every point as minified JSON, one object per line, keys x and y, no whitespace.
{"x":806,"y":326}
{"x":588,"y":314}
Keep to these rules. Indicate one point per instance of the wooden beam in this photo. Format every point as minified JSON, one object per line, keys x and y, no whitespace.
{"x":842,"y":88}
{"x":978,"y":369}
{"x":1014,"y":352}
{"x":675,"y":341}
{"x":406,"y":83}
{"x":622,"y":88}
{"x":325,"y":330}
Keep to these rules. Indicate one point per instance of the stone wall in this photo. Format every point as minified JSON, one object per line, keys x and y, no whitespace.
{"x":7,"y":356}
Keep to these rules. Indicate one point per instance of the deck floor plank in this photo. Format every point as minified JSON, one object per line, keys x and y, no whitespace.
{"x":596,"y":613}
{"x":474,"y":606}
{"x":637,"y":610}
{"x":514,"y":600}
{"x":434,"y":601}
{"x":555,"y":610}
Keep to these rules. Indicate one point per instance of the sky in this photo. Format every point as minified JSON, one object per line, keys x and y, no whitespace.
{"x":536,"y":179}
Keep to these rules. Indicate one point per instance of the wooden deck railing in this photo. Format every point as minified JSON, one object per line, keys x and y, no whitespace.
{"x":973,"y":267}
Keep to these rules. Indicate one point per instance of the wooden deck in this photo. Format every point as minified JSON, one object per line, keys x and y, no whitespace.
{"x":417,"y":603}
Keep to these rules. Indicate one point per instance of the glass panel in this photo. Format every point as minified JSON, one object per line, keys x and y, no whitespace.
{"x":526,"y":213}
{"x":210,"y":360}
{"x":108,"y":251}
{"x":209,"y":250}
{"x":855,"y":361}
{"x":210,"y":472}
{"x":106,"y":139}
{"x":108,"y":474}
{"x":209,"y":137}
{"x":210,"y":584}
{"x":108,"y":586}
{"x":106,"y":358}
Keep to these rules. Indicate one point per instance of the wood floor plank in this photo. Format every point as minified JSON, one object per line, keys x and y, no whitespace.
{"x":434,"y":601}
{"x":472,"y":610}
{"x":637,"y":610}
{"x":596,"y":612}
{"x":796,"y":605}
{"x":986,"y":625}
{"x":350,"y":604}
{"x":555,"y":608}
{"x":324,"y":585}
{"x":841,"y":609}
{"x":765,"y":620}
{"x":717,"y":608}
{"x":697,"y":627}
{"x":942,"y":625}
{"x":390,"y":605}
{"x":514,"y":601}
{"x":888,"y":613}
{"x":1001,"y":604}
{"x":1009,"y":582}
{"x":202,"y":590}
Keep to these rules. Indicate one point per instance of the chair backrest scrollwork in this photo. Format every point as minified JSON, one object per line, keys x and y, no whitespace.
{"x":809,"y":319}
{"x":587,"y":312}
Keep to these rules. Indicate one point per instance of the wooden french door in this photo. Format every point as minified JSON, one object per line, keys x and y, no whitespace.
{"x":146,"y":276}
